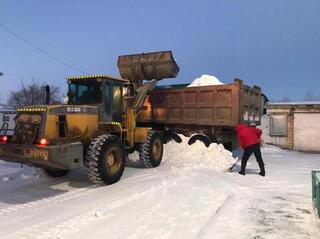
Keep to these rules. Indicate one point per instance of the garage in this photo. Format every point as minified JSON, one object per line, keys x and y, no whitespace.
{"x":293,"y":125}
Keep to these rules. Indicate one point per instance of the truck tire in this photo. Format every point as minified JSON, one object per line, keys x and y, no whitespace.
{"x":202,"y":138}
{"x":228,"y":146}
{"x":151,"y":151}
{"x":171,"y":135}
{"x":56,"y":173}
{"x":105,"y":159}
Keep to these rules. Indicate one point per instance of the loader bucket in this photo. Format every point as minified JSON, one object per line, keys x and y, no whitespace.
{"x":148,"y":66}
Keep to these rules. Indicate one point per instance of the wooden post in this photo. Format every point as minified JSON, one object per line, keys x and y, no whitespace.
{"x":290,"y":139}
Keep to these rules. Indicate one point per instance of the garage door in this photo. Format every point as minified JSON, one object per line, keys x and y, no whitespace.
{"x":307,"y":131}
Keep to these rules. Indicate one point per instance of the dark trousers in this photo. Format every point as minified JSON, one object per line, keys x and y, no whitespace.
{"x":255,"y":148}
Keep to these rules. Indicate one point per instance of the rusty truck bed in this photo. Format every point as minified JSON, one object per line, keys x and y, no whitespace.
{"x":217,"y":105}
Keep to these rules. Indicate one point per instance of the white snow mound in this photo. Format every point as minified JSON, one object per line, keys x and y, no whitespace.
{"x":205,"y":80}
{"x":197,"y":156}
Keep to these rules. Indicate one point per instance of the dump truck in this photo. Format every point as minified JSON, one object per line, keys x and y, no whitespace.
{"x":108,"y":117}
{"x":207,"y":113}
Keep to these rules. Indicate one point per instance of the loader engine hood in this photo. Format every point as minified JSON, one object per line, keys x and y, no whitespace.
{"x":56,"y":123}
{"x":28,"y":124}
{"x":73,"y":109}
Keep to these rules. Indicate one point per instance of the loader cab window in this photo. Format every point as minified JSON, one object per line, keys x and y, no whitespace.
{"x":116,"y":102}
{"x":107,"y":98}
{"x":84,"y":92}
{"x":113,"y":100}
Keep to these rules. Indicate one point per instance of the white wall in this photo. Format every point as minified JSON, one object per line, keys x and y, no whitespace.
{"x":307,"y":131}
{"x":265,"y":128}
{"x":11,"y":123}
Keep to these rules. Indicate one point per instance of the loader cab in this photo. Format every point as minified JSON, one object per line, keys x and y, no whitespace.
{"x":104,"y":91}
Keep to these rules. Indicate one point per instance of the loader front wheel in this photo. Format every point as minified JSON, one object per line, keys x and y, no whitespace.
{"x":56,"y":173}
{"x":105,"y":159}
{"x":152,"y":150}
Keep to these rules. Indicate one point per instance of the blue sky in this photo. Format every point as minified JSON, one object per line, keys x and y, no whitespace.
{"x":270,"y":43}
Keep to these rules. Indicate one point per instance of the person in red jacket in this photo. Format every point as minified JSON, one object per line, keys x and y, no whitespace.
{"x":249,"y":140}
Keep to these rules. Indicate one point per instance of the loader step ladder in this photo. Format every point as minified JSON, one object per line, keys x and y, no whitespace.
{"x":315,"y":175}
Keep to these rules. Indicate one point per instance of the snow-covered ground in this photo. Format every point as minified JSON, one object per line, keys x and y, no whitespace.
{"x":186,"y":197}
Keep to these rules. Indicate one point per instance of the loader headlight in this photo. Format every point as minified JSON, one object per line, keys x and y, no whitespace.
{"x":4,"y":139}
{"x":43,"y":142}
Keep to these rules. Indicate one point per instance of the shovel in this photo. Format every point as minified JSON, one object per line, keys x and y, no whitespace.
{"x":233,"y":165}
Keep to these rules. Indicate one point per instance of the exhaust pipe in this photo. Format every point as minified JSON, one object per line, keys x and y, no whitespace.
{"x":47,"y":95}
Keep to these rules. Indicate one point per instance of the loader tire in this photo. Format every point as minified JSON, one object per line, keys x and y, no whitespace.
{"x":105,"y":159}
{"x":56,"y":173}
{"x":151,"y":151}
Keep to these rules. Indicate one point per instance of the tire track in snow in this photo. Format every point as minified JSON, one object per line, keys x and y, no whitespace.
{"x":205,"y":231}
{"x":168,"y":212}
{"x":55,"y":229}
{"x":48,"y":201}
{"x":42,"y":203}
{"x":146,"y":220}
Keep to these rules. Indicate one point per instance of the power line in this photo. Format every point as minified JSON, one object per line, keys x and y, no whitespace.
{"x":40,"y":49}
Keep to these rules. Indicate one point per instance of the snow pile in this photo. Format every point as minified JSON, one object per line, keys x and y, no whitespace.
{"x":205,"y":80}
{"x":197,"y":156}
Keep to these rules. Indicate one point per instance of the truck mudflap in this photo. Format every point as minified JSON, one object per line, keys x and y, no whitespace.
{"x":66,"y":156}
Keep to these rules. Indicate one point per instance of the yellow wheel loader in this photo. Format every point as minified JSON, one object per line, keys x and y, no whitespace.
{"x":97,"y":128}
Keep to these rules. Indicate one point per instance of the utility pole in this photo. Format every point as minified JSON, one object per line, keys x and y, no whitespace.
{"x":1,"y":74}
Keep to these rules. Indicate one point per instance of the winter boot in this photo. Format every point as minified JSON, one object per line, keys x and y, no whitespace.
{"x":262,"y":170}
{"x":242,"y":173}
{"x":262,"y":173}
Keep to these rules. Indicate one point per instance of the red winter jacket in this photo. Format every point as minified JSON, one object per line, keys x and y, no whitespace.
{"x":247,"y":135}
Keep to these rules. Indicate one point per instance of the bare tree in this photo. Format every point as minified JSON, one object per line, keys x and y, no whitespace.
{"x":285,"y":99}
{"x":33,"y":94}
{"x":310,"y":96}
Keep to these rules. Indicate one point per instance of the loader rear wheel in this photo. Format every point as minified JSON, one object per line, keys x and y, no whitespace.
{"x":105,"y":159}
{"x":56,"y":173}
{"x":152,"y":150}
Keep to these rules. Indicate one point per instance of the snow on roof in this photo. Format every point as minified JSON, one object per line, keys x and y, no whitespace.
{"x":295,"y":103}
{"x":7,"y":108}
